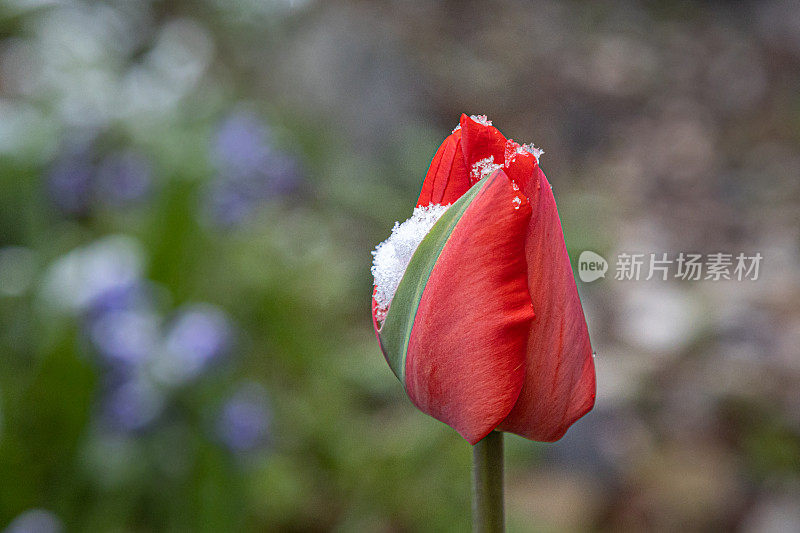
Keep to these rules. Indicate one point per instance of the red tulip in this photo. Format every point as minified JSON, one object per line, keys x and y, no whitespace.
{"x":485,"y":329}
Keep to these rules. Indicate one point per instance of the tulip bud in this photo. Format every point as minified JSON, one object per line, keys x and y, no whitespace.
{"x":475,"y":306}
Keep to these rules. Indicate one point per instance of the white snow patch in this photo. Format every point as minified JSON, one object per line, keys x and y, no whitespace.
{"x":480,"y":119}
{"x":483,"y":168}
{"x":531,"y":149}
{"x":391,"y":257}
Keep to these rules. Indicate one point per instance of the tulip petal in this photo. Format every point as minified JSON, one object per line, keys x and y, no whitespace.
{"x":448,"y":176}
{"x":375,"y":326}
{"x":521,"y":166}
{"x":394,"y":335}
{"x":559,"y":382}
{"x":466,"y":352}
{"x":479,"y":141}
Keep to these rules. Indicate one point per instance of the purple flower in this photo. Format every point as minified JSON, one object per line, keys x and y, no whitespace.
{"x":75,"y":182}
{"x":197,"y":336}
{"x":35,"y":521}
{"x":133,"y":295}
{"x":98,"y":272}
{"x":132,"y":405}
{"x":244,"y":421}
{"x":120,"y":319}
{"x":250,"y":169}
{"x":127,"y":336}
{"x":228,"y":203}
{"x":123,"y":178}
{"x":69,"y":184}
{"x":241,"y":144}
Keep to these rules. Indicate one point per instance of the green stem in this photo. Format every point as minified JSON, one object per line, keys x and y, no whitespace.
{"x":487,"y":484}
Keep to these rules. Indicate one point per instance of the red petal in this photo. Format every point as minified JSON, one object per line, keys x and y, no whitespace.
{"x":375,"y":326}
{"x":559,"y":373}
{"x":448,"y":177}
{"x":522,"y":168}
{"x":466,"y":352}
{"x":480,"y":141}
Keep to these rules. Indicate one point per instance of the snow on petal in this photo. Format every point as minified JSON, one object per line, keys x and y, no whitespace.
{"x":391,"y":257}
{"x":483,"y":168}
{"x":531,"y":149}
{"x":481,"y":119}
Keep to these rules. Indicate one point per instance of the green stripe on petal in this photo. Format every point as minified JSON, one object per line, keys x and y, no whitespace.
{"x":396,"y":330}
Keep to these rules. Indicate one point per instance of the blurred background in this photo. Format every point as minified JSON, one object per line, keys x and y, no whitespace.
{"x":189,"y":192}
